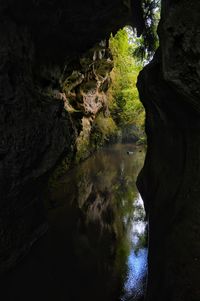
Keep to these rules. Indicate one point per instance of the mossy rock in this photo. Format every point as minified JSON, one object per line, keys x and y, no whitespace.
{"x":72,"y":81}
{"x":103,"y":67}
{"x":88,"y":86}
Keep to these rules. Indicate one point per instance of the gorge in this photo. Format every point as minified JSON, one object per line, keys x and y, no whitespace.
{"x":45,"y":40}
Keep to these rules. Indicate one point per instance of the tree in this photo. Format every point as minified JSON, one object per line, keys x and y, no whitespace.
{"x":148,"y":42}
{"x":126,"y":109}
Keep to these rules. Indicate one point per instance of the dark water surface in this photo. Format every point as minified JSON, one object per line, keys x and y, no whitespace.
{"x":95,"y":248}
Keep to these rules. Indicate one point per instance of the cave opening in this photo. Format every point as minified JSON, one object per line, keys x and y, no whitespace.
{"x":96,"y":246}
{"x":53,"y":77}
{"x":112,"y":230}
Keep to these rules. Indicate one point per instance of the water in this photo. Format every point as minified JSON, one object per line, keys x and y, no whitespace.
{"x":134,"y":284}
{"x":103,"y":188}
{"x":96,"y":245}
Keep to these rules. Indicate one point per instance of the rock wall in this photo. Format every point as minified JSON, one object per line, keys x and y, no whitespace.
{"x":87,"y":99}
{"x":35,"y":132}
{"x":169,"y":181}
{"x":82,"y":88}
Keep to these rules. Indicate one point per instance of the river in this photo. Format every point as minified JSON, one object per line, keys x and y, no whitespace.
{"x":95,"y":249}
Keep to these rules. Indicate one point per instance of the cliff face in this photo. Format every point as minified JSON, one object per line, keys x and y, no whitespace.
{"x":85,"y":95}
{"x":81,"y":86}
{"x":169,"y":182}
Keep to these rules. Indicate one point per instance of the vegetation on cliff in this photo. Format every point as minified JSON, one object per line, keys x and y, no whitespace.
{"x":124,"y":104}
{"x":101,"y":97}
{"x":100,"y":94}
{"x":149,"y":40}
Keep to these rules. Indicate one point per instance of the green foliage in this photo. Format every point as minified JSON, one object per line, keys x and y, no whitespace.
{"x":83,"y":148}
{"x":106,"y":125}
{"x":104,"y":129}
{"x":124,"y":103}
{"x":92,"y":137}
{"x":148,"y":42}
{"x":83,"y":141}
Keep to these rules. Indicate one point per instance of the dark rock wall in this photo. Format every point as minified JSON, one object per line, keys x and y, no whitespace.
{"x":61,"y":28}
{"x":169,"y":181}
{"x":34,"y":134}
{"x":37,"y":37}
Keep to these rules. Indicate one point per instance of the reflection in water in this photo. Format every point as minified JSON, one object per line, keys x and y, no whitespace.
{"x":110,"y":239}
{"x":137,"y":259}
{"x":95,"y":248}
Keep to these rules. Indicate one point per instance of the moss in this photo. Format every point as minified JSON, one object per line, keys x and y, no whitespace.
{"x":72,"y":81}
{"x":92,"y":137}
{"x":106,"y":125}
{"x":103,"y":130}
{"x":83,"y":149}
{"x":83,"y":141}
{"x":103,"y":67}
{"x":88,"y":86}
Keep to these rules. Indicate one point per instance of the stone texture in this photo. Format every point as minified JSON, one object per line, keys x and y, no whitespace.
{"x":169,"y":182}
{"x":35,"y":133}
{"x":61,"y":28}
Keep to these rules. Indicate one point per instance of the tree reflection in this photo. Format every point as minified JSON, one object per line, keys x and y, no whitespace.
{"x":109,"y":228}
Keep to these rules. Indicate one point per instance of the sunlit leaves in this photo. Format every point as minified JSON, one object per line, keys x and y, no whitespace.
{"x":149,"y":40}
{"x":124,"y":104}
